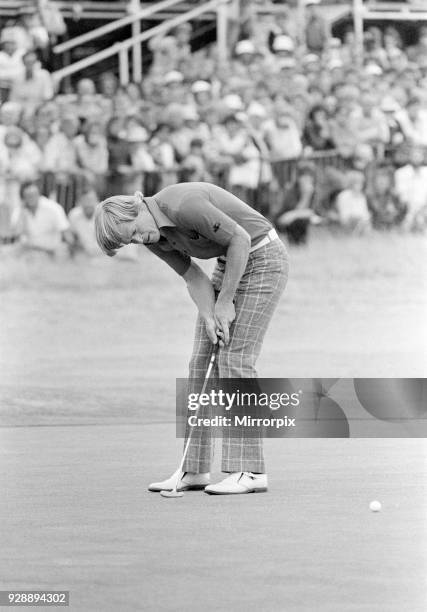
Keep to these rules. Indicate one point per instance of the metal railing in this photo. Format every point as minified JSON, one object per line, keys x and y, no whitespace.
{"x":121,"y":49}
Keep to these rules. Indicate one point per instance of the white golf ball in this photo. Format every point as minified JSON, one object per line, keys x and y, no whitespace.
{"x":375,"y":506}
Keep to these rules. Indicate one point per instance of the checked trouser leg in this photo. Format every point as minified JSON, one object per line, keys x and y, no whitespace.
{"x":256,"y":299}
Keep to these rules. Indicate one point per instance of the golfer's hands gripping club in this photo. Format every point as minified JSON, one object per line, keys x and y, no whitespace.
{"x":224,"y":315}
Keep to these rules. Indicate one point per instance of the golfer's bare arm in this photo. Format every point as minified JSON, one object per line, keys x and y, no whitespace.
{"x":219,"y":315}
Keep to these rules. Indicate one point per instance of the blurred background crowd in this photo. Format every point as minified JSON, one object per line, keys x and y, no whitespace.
{"x":305,"y":131}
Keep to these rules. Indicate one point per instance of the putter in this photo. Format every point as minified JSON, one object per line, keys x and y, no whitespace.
{"x":174,"y":492}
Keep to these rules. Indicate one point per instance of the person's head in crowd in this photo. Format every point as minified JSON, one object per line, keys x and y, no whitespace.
{"x":363,"y":156}
{"x":416,"y":156}
{"x":85,"y":88}
{"x":341,"y":114}
{"x":41,"y":136}
{"x":48,"y":114}
{"x":70,"y":125}
{"x":245,"y":52}
{"x":162,"y":132}
{"x":133,"y":92}
{"x":306,"y":177}
{"x":30,"y":195}
{"x":134,"y":131}
{"x":182,"y":33}
{"x":191,"y":117}
{"x":121,"y":102}
{"x":413,"y":108}
{"x":88,"y":202}
{"x":284,"y":116}
{"x":392,"y":38}
{"x":8,"y":42}
{"x":330,"y":103}
{"x":30,"y":60}
{"x":257,"y":115}
{"x":316,"y":95}
{"x":174,"y":116}
{"x":283,"y":46}
{"x":10,"y":113}
{"x":14,"y":137}
{"x":318,"y":115}
{"x":349,"y":38}
{"x":93,"y":133}
{"x":382,"y":180}
{"x":202,"y":92}
{"x":368,"y":103}
{"x":232,"y":124}
{"x":108,"y":84}
{"x":355,"y":180}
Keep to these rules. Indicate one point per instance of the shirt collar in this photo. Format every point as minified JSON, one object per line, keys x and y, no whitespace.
{"x":159,"y":217}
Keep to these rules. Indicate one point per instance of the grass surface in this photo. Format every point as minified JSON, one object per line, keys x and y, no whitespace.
{"x":98,"y":346}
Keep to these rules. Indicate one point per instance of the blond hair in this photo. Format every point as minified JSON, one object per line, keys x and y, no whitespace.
{"x":109,"y":214}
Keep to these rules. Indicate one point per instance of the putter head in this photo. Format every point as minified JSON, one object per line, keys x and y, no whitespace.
{"x":172,"y":493}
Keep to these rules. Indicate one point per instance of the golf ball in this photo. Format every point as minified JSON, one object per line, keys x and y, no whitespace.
{"x":375,"y":506}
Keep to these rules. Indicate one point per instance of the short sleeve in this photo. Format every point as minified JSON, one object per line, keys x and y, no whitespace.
{"x":62,"y":223}
{"x":199,"y":214}
{"x":175,"y":259}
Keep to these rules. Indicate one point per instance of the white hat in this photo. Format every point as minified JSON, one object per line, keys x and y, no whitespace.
{"x":308,"y":2}
{"x":283,"y":43}
{"x":335,"y":63}
{"x":245,"y":46}
{"x":138,"y":134}
{"x":199,"y":86}
{"x":173,"y":77}
{"x":233,"y":102}
{"x":373,"y":69}
{"x":255,"y":109}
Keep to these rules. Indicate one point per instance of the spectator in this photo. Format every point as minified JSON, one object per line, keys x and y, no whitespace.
{"x":297,"y":209}
{"x":386,"y":209}
{"x":282,"y":135}
{"x":139,"y":161}
{"x":10,"y":62}
{"x":21,"y":161}
{"x":317,"y":133}
{"x":164,"y":155}
{"x":237,"y":152}
{"x":61,"y":153}
{"x":352,"y":206}
{"x":92,"y":155}
{"x":194,"y":167}
{"x":414,"y":122}
{"x":52,"y":20}
{"x":411,"y":188}
{"x":316,"y":30}
{"x":43,"y":222}
{"x":81,"y":219}
{"x":33,"y":86}
{"x":344,"y":131}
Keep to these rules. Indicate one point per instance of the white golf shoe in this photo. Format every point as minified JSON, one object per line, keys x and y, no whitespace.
{"x":187,"y":482}
{"x":238,"y":483}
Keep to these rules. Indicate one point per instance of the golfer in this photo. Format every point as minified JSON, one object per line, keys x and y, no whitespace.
{"x":235,"y":308}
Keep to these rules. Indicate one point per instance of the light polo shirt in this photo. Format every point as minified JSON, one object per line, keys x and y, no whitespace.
{"x":44,"y":228}
{"x":199,"y":220}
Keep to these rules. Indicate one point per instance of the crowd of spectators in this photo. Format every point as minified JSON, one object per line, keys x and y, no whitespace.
{"x":307,"y":131}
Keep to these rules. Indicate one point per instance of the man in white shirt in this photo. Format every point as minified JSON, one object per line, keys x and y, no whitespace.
{"x":10,"y":61}
{"x":44,"y":223}
{"x":33,"y":85}
{"x":411,"y":188}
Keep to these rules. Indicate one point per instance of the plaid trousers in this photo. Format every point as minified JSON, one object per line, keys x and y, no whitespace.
{"x":256,"y":298}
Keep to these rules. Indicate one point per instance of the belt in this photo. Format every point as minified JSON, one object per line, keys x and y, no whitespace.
{"x":270,"y":237}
